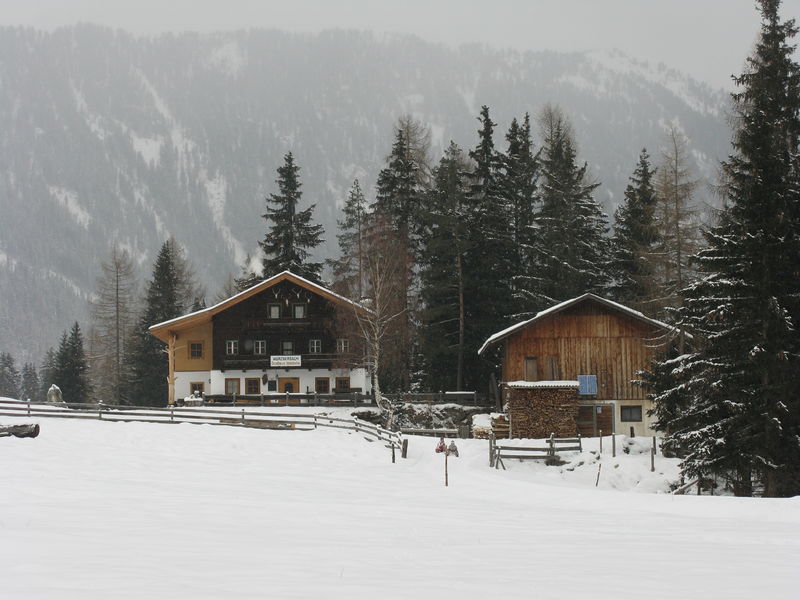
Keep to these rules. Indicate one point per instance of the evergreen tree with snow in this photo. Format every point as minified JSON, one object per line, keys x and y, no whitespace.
{"x":569,"y":252}
{"x":46,"y":372}
{"x":10,"y":384}
{"x":348,"y":269}
{"x":634,"y":239}
{"x":743,"y":416}
{"x":148,"y":386}
{"x":292,"y":235}
{"x":71,"y":372}
{"x":30,"y":388}
{"x":448,"y":364}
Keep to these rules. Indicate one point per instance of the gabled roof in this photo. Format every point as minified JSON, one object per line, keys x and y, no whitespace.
{"x":501,"y":335}
{"x":161,"y":330}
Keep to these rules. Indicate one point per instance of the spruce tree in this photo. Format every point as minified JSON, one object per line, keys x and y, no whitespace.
{"x":10,"y":383}
{"x":30,"y":388}
{"x":46,"y":372}
{"x":348,"y":269}
{"x":743,"y":416}
{"x":71,"y":372}
{"x":569,"y":254}
{"x":635,"y":237}
{"x":149,"y":370}
{"x":292,"y":236}
{"x":443,"y":290}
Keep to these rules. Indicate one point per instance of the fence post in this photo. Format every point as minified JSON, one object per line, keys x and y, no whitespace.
{"x":316,"y":398}
{"x":287,"y":399}
{"x":491,"y":449}
{"x":552,"y":444}
{"x":242,"y":416}
{"x":234,"y":399}
{"x":100,"y":410}
{"x":601,"y":441}
{"x":404,"y":449}
{"x":614,"y":445}
{"x":29,"y":407}
{"x":391,"y":443}
{"x":580,"y":442}
{"x":171,"y":414}
{"x":653,"y":456}
{"x":262,"y":399}
{"x":315,"y":421}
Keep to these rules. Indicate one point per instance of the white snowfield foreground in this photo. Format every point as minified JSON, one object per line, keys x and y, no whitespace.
{"x":133,"y":510}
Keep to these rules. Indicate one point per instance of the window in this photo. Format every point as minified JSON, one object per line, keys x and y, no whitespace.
{"x":260,"y":347}
{"x":298,"y":311}
{"x":342,"y":345}
{"x":531,"y":368}
{"x":322,"y":385}
{"x":231,"y":346}
{"x":587,"y":385}
{"x":196,"y":386}
{"x":272,"y":385}
{"x":630,"y":413}
{"x":231,"y":386}
{"x":342,"y":384}
{"x":252,"y":386}
{"x":287,"y":347}
{"x":195,"y":349}
{"x":314,"y":346}
{"x":274,"y":311}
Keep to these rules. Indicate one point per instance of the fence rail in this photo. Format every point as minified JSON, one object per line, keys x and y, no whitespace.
{"x":203,"y":415}
{"x":554,"y":445}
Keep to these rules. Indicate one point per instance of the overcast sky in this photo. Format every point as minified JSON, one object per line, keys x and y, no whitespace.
{"x":708,"y":39}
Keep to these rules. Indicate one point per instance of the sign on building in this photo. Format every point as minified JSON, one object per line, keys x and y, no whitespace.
{"x":284,"y":360}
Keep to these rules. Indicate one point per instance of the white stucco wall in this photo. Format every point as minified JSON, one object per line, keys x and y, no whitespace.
{"x":184,"y":378}
{"x":359,"y":378}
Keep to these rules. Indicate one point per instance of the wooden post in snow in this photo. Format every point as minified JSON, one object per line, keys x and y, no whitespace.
{"x":171,"y":362}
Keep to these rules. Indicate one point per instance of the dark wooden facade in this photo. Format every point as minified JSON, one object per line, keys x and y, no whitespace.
{"x":249,"y":322}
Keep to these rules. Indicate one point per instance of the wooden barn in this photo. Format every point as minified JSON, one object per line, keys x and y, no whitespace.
{"x":571,"y":368}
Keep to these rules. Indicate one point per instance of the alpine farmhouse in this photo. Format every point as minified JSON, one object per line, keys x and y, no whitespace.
{"x":285,"y":334}
{"x":571,"y":368}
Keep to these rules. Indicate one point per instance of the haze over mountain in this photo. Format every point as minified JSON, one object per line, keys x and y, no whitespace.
{"x":106,"y":136}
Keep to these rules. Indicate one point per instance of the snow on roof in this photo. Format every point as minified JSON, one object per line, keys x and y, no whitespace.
{"x":542,"y":384}
{"x":561,"y":306}
{"x":264,"y":284}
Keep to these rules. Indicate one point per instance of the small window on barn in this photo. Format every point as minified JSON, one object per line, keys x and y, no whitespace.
{"x":231,"y":347}
{"x":298,"y":311}
{"x":531,"y":368}
{"x":274,"y":311}
{"x":630,"y":413}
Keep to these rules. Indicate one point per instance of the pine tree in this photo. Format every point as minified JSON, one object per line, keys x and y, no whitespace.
{"x":348,"y":269}
{"x":46,"y":372}
{"x":743,"y":416}
{"x":569,"y":254}
{"x":292,"y":236}
{"x":148,"y":360}
{"x":112,"y":313}
{"x":635,"y":237}
{"x":489,"y":261}
{"x":71,"y":371}
{"x":10,"y":384}
{"x":443,"y":292}
{"x":30,"y":388}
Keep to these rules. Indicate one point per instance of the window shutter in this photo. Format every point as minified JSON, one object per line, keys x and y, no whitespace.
{"x":587,"y":385}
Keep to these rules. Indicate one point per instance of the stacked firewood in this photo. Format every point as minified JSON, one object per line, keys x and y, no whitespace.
{"x":500,"y":427}
{"x":539,"y":412}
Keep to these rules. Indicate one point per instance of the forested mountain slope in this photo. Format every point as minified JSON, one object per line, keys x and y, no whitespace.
{"x":105,"y":136}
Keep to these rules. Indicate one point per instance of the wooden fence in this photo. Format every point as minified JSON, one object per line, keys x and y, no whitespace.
{"x":554,"y":445}
{"x":204,"y":415}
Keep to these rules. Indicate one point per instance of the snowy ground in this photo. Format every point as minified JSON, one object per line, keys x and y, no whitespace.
{"x":131,"y":510}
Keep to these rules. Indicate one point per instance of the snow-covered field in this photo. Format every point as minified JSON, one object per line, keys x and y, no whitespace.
{"x":130,"y":510}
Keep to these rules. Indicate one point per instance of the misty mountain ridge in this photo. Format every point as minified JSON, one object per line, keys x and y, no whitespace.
{"x":106,"y":136}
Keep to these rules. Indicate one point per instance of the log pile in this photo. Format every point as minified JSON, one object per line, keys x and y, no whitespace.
{"x":539,"y":412}
{"x":500,"y":427}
